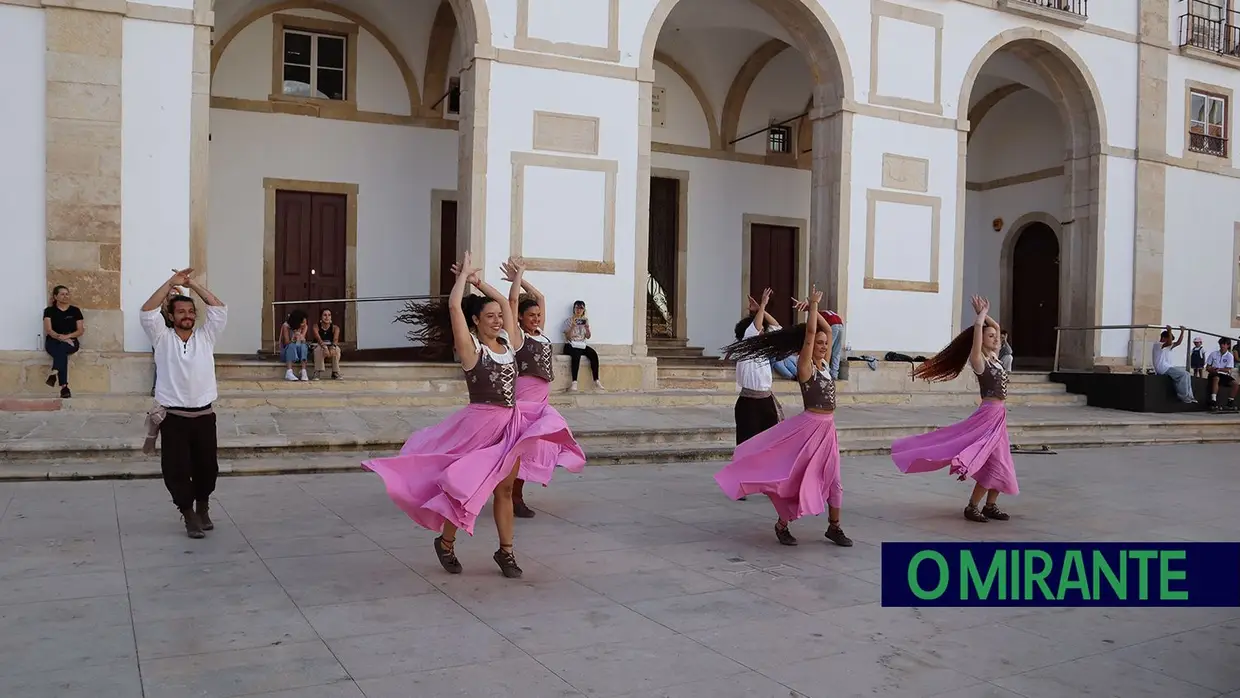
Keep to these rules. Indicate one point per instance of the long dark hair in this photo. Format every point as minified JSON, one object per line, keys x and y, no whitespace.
{"x":432,"y":319}
{"x":526,"y":303}
{"x":294,"y":320}
{"x":950,"y":361}
{"x":772,"y":346}
{"x":743,"y":325}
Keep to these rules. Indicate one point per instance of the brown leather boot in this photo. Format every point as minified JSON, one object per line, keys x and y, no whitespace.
{"x":193,"y":526}
{"x":203,"y":517}
{"x":519,"y":509}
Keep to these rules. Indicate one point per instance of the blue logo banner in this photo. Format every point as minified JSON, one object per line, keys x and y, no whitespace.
{"x":1061,"y":574}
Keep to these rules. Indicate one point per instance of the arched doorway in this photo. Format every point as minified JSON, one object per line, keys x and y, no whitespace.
{"x":1036,"y":132}
{"x":784,"y":52}
{"x":1035,"y":296}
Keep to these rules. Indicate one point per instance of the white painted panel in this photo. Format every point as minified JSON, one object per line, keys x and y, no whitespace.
{"x":244,"y":70}
{"x":516,"y":92}
{"x":23,"y":276}
{"x":1119,"y":238}
{"x":684,"y":121}
{"x":156,"y":88}
{"x":562,"y":232}
{"x":1198,"y":253}
{"x":380,"y":86}
{"x":569,"y":21}
{"x":906,"y":62}
{"x":902,"y":241}
{"x":395,"y":168}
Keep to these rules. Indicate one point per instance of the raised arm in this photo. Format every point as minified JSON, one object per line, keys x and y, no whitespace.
{"x":513,"y":276}
{"x":157,"y":299}
{"x":760,"y":315}
{"x":1180,"y":339}
{"x":206,"y":296}
{"x":977,"y":360}
{"x":805,"y":362}
{"x":462,"y":338}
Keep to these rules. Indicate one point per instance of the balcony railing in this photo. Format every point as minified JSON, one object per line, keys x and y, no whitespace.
{"x":1076,"y":7}
{"x":1211,"y":28}
{"x":1210,"y":145}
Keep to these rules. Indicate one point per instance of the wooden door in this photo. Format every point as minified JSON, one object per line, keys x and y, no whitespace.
{"x":1035,"y":295}
{"x":448,"y":254}
{"x":311,"y":247}
{"x":773,"y":265}
{"x":663,"y":256}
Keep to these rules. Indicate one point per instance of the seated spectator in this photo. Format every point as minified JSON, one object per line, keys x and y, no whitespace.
{"x":1005,"y":350}
{"x":576,"y":332}
{"x":293,"y":345}
{"x":62,"y":325}
{"x":1197,"y":359}
{"x":1220,"y":365}
{"x":325,"y":343}
{"x":1163,"y":366}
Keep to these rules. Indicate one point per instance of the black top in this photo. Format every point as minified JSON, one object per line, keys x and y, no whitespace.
{"x":63,"y":321}
{"x":326,"y":334}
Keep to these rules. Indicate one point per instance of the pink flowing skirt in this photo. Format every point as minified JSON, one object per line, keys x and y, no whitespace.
{"x":447,"y":472}
{"x":978,"y":448}
{"x":539,"y":458}
{"x":796,"y":463}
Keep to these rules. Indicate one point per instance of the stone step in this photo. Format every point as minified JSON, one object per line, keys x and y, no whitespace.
{"x":256,"y":370}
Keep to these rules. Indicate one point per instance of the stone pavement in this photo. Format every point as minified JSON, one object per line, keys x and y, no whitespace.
{"x":639,"y":582}
{"x":265,"y":428}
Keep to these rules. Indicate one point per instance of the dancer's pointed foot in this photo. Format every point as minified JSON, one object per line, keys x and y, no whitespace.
{"x":992,"y":511}
{"x":835,"y":534}
{"x":783,"y":535}
{"x":445,"y":550}
{"x":507,"y":562}
{"x":972,"y":513}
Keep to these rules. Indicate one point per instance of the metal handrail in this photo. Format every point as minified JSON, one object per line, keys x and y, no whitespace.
{"x":1144,"y":337}
{"x":275,"y":321}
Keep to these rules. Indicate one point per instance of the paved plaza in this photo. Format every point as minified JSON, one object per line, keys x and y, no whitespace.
{"x":640,"y":581}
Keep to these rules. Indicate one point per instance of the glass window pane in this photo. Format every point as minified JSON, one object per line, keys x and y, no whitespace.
{"x":331,"y":83}
{"x":297,"y":81}
{"x":1216,"y":111}
{"x":1197,"y":110}
{"x":331,"y":52}
{"x":296,"y":48}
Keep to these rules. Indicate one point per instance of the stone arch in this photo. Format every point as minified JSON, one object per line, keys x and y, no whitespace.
{"x":734,"y":104}
{"x":708,"y":110}
{"x":411,"y":81}
{"x":816,"y":37}
{"x":475,"y":25}
{"x":439,"y":55}
{"x":991,"y":100}
{"x":1076,"y":95}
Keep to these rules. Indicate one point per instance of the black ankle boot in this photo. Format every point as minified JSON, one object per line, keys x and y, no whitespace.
{"x":203,"y":517}
{"x":193,"y":526}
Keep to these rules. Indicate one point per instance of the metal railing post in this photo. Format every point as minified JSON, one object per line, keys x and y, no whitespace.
{"x":1058,"y":338}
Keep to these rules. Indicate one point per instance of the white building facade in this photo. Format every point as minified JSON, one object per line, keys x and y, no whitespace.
{"x":659,"y":159}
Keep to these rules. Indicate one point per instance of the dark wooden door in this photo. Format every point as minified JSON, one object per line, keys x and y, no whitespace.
{"x":773,"y":265}
{"x":663,"y":255}
{"x":311,"y":246}
{"x":447,"y":247}
{"x":1035,"y":295}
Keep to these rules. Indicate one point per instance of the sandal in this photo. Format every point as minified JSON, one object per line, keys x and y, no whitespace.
{"x":507,"y":563}
{"x":446,"y":551}
{"x":784,"y":536}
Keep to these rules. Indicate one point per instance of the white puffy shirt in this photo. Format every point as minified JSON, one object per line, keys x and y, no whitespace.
{"x":754,"y":374}
{"x":185,"y":371}
{"x":1162,"y":358}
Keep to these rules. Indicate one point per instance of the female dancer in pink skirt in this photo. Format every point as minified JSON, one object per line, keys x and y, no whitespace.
{"x":445,"y":474}
{"x":978,"y":447}
{"x":796,"y":462}
{"x":535,"y":372}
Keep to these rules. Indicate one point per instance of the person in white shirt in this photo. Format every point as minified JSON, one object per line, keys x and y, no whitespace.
{"x":185,"y":389}
{"x":1220,"y":365}
{"x":756,"y":408}
{"x":1163,"y":365}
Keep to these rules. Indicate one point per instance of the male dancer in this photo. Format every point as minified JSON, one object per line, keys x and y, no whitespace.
{"x":756,"y":408}
{"x":185,"y":388}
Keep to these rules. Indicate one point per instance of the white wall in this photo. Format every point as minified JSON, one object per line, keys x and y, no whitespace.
{"x":395,"y":168}
{"x":780,"y":92}
{"x":720,"y":194}
{"x":1200,"y":265}
{"x":1179,"y":71}
{"x":155,"y":98}
{"x":516,"y":92}
{"x":1118,"y":254}
{"x":684,"y":121}
{"x":23,"y":275}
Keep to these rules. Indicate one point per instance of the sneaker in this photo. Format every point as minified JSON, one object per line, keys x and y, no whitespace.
{"x":572,"y":387}
{"x":992,"y":511}
{"x":315,"y":376}
{"x":289,"y":375}
{"x":51,"y":380}
{"x":335,"y":376}
{"x":64,"y":392}
{"x":598,"y":385}
{"x":303,"y":376}
{"x":972,"y":513}
{"x":835,"y":534}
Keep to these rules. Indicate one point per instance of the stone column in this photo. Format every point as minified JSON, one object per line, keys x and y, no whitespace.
{"x":472,"y":175}
{"x":83,"y":64}
{"x":1151,"y":190}
{"x":200,"y":136}
{"x":829,"y":205}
